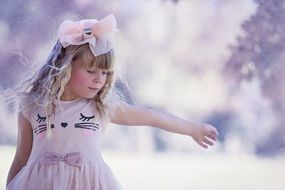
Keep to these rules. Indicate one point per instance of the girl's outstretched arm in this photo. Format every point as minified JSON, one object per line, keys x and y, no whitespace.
{"x":24,"y":146}
{"x":125,"y":114}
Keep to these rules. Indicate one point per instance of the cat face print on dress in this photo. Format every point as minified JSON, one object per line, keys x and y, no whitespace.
{"x":42,"y":127}
{"x":86,"y":124}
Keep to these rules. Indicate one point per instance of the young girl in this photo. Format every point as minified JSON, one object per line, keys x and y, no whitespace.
{"x":65,"y":108}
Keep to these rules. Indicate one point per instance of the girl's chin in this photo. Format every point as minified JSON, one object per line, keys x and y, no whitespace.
{"x":89,"y":96}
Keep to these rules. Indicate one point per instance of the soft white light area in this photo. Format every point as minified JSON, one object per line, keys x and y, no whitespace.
{"x":182,"y":48}
{"x":174,"y":88}
{"x":255,"y":112}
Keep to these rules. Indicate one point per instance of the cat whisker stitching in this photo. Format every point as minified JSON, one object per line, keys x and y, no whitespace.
{"x":92,"y":126}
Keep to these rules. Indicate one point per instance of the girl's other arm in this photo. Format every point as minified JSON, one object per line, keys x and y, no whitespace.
{"x":24,"y":146}
{"x":124,"y":114}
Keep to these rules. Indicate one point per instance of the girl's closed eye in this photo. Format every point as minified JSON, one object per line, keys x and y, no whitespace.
{"x":104,"y":72}
{"x":90,"y":71}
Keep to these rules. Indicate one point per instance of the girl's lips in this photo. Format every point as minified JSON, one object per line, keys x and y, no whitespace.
{"x":93,"y":88}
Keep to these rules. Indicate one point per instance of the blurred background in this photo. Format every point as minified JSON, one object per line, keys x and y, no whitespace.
{"x":215,"y":61}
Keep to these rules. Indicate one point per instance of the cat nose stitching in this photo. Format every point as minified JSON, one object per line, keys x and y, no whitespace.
{"x":64,"y":124}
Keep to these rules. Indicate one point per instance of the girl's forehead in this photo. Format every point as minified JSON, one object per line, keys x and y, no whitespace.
{"x":88,"y":60}
{"x":81,"y":63}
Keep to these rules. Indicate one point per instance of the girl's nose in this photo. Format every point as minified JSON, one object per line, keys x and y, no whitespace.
{"x":98,"y":77}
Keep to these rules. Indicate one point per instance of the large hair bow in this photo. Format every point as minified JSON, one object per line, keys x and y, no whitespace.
{"x":99,"y":34}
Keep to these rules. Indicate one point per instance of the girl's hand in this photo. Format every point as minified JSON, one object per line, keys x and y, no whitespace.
{"x":204,"y":135}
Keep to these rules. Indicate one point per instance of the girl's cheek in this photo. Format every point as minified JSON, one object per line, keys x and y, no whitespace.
{"x":77,"y":77}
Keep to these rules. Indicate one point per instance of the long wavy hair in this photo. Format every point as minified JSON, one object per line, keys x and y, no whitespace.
{"x":49,"y":82}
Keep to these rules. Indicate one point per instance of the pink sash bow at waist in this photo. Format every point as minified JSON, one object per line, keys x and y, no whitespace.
{"x":73,"y":158}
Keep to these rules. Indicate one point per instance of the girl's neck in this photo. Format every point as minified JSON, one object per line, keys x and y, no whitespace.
{"x":67,"y":97}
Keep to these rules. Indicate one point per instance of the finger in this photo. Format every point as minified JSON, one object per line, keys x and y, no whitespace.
{"x":212,"y":136}
{"x":207,"y":141}
{"x":211,"y":128}
{"x":202,"y":145}
{"x":215,"y":131}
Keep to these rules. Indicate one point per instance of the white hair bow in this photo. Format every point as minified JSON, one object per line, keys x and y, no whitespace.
{"x":99,"y":34}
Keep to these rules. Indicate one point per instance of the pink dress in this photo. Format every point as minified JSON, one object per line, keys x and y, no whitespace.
{"x":71,"y":159}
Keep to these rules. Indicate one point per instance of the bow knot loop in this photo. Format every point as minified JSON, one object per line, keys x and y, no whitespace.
{"x":73,"y":158}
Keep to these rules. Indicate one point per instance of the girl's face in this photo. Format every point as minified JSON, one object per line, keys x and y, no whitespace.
{"x":83,"y":83}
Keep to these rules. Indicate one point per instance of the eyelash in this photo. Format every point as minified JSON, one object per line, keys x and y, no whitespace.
{"x":83,"y":118}
{"x":104,"y":72}
{"x":40,"y":118}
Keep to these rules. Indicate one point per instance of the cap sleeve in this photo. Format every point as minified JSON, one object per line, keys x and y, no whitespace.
{"x":25,"y":105}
